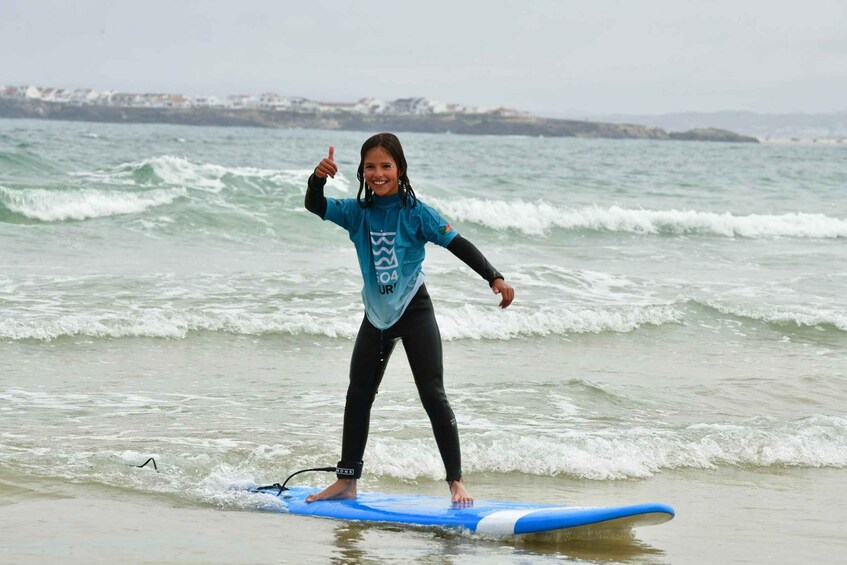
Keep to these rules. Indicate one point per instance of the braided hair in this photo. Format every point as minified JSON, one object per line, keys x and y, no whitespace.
{"x":391,"y":144}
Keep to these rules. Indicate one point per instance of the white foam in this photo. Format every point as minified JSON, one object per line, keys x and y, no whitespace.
{"x":620,"y":453}
{"x":54,"y":205}
{"x":601,"y":451}
{"x":538,"y":218}
{"x":175,"y":325}
{"x":464,"y":322}
{"x":209,"y":177}
{"x":483,"y":322}
{"x":801,"y":316}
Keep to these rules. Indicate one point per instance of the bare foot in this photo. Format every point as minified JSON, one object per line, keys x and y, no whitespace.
{"x":342,"y":488}
{"x":460,"y":493}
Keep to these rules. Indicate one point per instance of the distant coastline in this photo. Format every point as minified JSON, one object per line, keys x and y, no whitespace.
{"x":794,"y":128}
{"x":273,"y":111}
{"x":482,"y":124}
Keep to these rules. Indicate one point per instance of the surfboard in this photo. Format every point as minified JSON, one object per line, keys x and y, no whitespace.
{"x":486,"y":517}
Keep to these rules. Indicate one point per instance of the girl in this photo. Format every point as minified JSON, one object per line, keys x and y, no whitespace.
{"x":389,"y":228}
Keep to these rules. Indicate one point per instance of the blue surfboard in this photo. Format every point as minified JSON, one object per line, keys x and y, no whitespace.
{"x":487,"y":517}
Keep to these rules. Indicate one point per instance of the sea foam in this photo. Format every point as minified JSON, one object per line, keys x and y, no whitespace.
{"x":209,"y":177}
{"x":175,"y":325}
{"x":465,"y":322}
{"x":55,"y":206}
{"x":477,"y":322}
{"x":538,"y":218}
{"x":627,"y":452}
{"x":798,"y":315}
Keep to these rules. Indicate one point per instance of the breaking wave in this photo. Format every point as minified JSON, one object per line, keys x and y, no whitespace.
{"x":539,"y":218}
{"x":81,"y":204}
{"x":640,"y":452}
{"x":467,"y":322}
{"x":209,"y":177}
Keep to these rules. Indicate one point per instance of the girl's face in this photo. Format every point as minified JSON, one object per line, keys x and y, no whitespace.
{"x":381,"y":173}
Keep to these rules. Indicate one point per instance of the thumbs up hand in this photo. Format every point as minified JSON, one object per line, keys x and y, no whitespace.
{"x":327,"y":168}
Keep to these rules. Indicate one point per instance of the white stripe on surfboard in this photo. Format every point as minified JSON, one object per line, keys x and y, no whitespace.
{"x":502,"y":522}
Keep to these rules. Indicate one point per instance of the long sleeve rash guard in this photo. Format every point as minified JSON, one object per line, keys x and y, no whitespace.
{"x":389,"y":239}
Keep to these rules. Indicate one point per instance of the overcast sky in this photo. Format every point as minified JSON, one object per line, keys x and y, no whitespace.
{"x":548,"y":57}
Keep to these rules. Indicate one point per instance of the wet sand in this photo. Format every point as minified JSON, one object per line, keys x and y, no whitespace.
{"x":724,"y":516}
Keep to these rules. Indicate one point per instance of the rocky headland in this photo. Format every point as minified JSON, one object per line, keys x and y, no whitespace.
{"x":457,"y":123}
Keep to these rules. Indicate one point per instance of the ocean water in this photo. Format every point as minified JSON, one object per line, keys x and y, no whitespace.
{"x":679,"y":335}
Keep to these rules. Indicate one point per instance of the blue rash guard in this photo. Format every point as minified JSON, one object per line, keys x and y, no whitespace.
{"x":389,"y":239}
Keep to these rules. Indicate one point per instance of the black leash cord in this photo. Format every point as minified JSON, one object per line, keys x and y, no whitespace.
{"x":149,"y":461}
{"x":282,"y":487}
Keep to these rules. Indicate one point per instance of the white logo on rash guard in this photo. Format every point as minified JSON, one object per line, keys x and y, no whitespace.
{"x":385,"y":260}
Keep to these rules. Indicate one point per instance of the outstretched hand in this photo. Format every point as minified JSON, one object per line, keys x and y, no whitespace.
{"x":505,"y":290}
{"x":327,"y":168}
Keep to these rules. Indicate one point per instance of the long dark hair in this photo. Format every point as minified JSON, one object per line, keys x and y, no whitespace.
{"x":390,"y":143}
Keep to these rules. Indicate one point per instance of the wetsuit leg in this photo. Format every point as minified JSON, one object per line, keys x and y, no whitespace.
{"x":422,"y":342}
{"x":367,"y":366}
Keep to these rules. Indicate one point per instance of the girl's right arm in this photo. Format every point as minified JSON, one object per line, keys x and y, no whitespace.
{"x":315,"y":199}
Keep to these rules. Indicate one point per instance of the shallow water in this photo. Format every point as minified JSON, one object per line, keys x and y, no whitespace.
{"x":679,"y":336}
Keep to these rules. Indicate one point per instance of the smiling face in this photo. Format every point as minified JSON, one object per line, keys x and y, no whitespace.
{"x":381,"y":173}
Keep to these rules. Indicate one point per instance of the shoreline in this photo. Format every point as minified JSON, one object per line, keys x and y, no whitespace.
{"x":95,"y":524}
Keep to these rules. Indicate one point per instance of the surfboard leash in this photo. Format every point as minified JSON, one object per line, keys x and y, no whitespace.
{"x":281,"y":487}
{"x":151,"y":460}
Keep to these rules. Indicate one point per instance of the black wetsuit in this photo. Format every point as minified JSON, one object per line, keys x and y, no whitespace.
{"x":421,"y":338}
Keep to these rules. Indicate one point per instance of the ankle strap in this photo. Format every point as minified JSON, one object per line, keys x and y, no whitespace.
{"x":349,"y":469}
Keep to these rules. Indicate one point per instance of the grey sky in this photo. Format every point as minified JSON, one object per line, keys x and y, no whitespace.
{"x":544,"y":56}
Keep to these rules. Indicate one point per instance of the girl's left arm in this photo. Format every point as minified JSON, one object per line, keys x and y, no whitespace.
{"x":473,"y":258}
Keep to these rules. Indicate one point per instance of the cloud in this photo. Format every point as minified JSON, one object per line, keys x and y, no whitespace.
{"x":543,"y":56}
